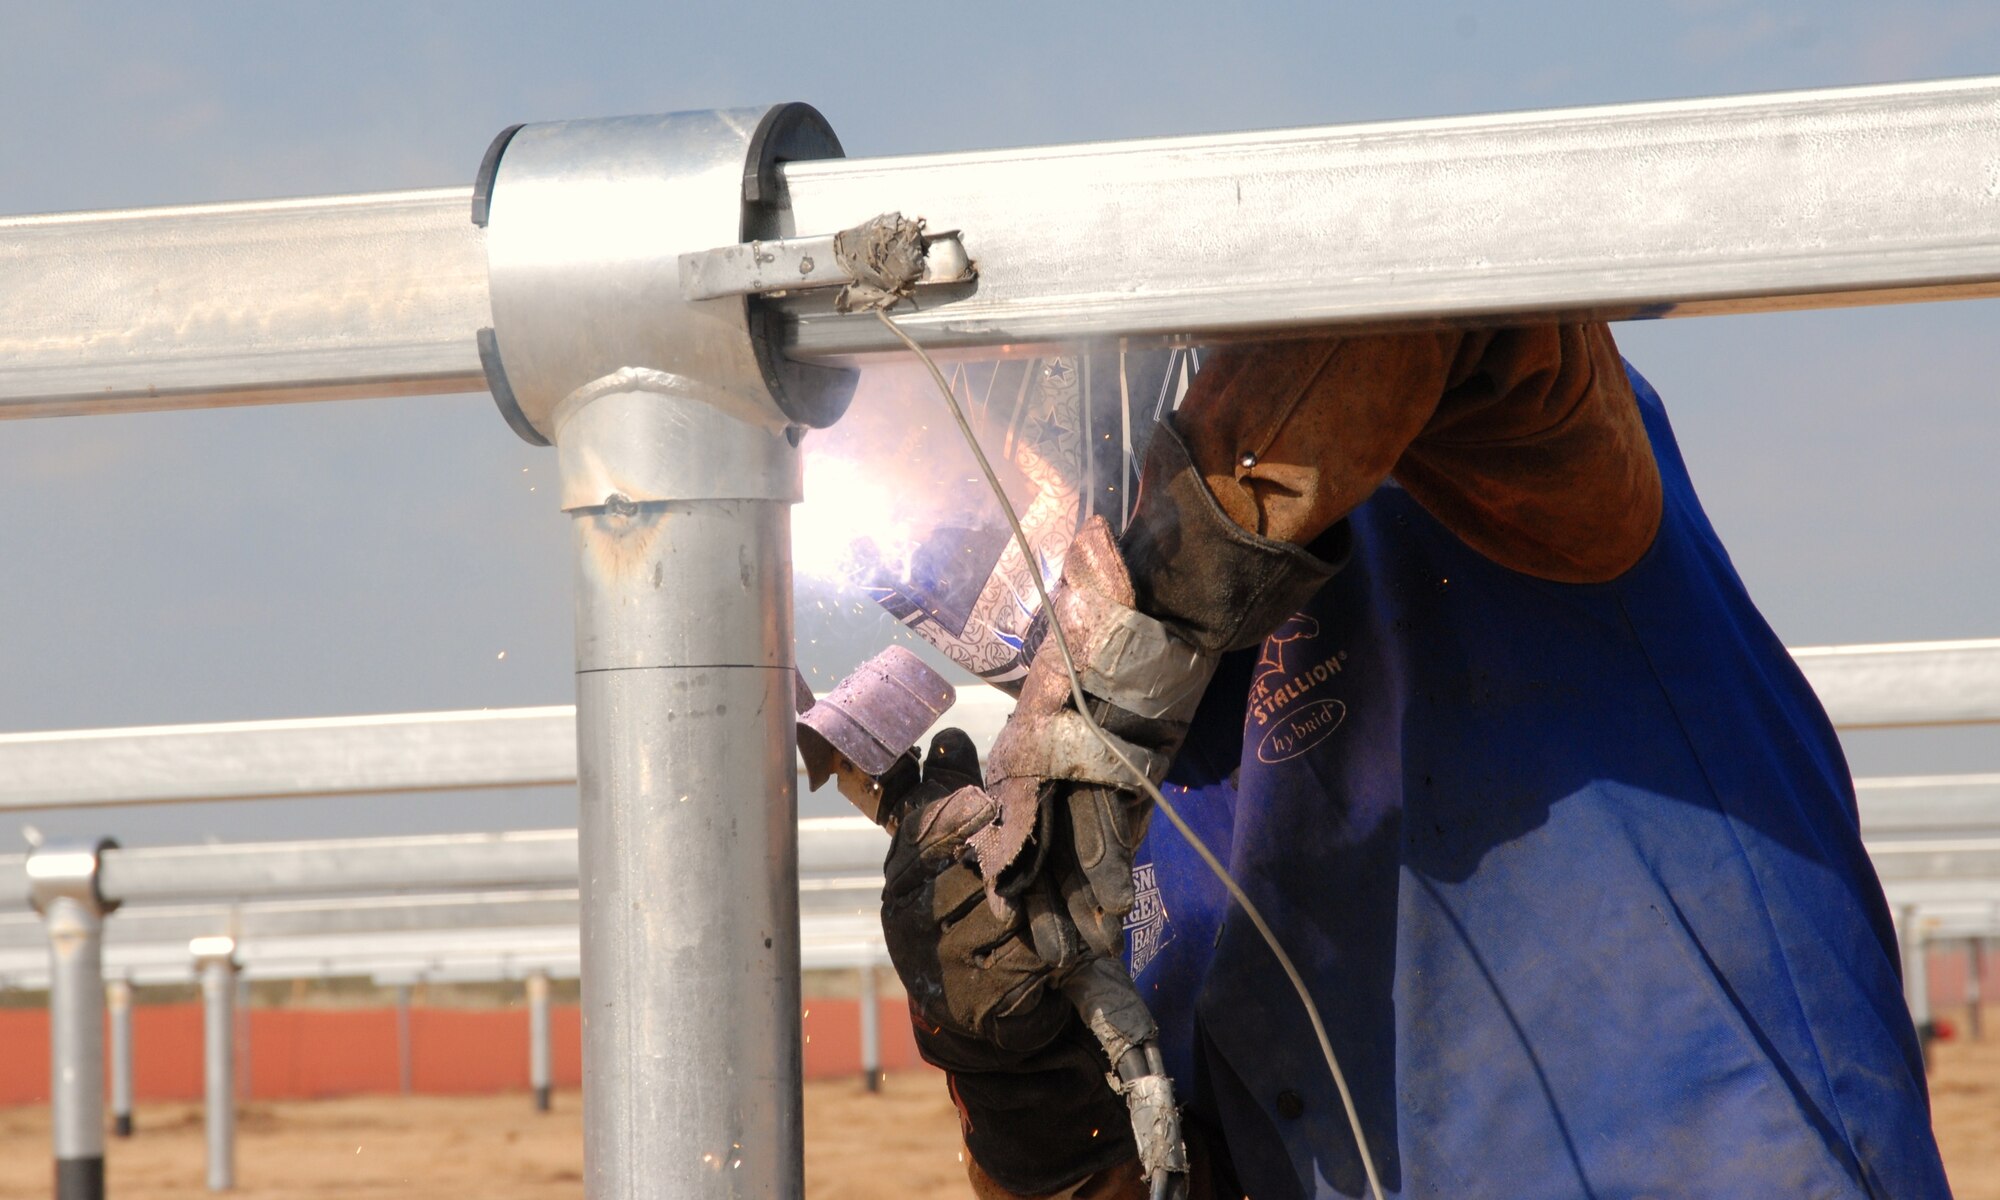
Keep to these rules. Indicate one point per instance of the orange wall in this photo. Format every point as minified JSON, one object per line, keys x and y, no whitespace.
{"x":306,"y":1053}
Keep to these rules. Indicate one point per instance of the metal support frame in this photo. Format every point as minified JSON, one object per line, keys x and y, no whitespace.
{"x":871,"y":1028}
{"x":406,"y":1049}
{"x":63,"y":886}
{"x":1975,"y":987}
{"x":215,"y":960}
{"x":118,"y":1000}
{"x":540,"y":1078}
{"x":676,"y":419}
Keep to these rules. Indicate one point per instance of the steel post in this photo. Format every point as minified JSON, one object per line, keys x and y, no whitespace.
{"x":63,"y":885}
{"x":118,"y":998}
{"x":215,"y":958}
{"x":241,"y":1026}
{"x":1916,"y":977}
{"x":405,"y":1046}
{"x":1975,"y":986}
{"x":871,"y":1030}
{"x":676,"y":428}
{"x":539,"y":1076}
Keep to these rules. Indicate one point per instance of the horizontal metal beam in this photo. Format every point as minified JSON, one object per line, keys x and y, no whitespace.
{"x":1913,"y":683}
{"x":326,"y":756}
{"x":1808,"y":199}
{"x":177,"y":924}
{"x":321,"y":756}
{"x":1901,"y":684}
{"x":496,"y":952}
{"x":1850,"y":196}
{"x":835,"y":854}
{"x":258,"y":303}
{"x":1930,"y":805}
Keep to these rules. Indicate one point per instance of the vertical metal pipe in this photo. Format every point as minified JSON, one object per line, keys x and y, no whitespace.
{"x":216,"y":957}
{"x":871,"y":1030}
{"x":241,"y":1027}
{"x":62,"y":881}
{"x":76,"y":1042}
{"x":538,"y":1038}
{"x":1916,"y":978}
{"x":1975,"y":986}
{"x":405,"y":1041}
{"x":687,"y":822}
{"x":118,"y":998}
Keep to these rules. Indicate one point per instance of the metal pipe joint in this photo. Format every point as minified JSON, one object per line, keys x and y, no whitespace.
{"x":677,"y":424}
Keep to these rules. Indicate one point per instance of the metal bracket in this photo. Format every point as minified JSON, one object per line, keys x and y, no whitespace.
{"x":68,"y":869}
{"x":784,"y":265}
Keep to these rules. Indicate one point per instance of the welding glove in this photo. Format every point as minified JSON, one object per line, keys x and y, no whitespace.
{"x":1146,"y":618}
{"x":1028,"y":1077}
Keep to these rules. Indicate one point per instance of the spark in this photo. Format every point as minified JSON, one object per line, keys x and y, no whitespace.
{"x":852,"y":517}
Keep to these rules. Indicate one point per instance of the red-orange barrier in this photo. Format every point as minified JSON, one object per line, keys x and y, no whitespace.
{"x":308,"y":1053}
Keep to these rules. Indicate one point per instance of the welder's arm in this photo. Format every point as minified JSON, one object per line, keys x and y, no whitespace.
{"x":1525,"y":442}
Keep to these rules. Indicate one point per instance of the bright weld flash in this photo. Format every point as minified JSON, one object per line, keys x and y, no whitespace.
{"x":854,"y":517}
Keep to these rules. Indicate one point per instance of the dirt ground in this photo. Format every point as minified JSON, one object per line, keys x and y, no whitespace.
{"x":901,"y":1142}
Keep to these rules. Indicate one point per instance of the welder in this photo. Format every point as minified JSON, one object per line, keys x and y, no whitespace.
{"x":1436,"y":648}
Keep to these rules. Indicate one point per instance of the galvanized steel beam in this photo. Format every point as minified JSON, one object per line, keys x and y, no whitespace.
{"x":203,"y":306}
{"x":318,"y":756}
{"x":1837,"y":197}
{"x":1906,"y":683}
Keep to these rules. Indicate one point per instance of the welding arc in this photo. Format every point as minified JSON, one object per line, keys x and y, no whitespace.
{"x":1221,"y":873}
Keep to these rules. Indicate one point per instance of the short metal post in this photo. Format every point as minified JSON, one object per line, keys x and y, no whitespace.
{"x":63,"y":886}
{"x":1975,"y":980}
{"x":871,"y":1030}
{"x":215,"y":957}
{"x":405,"y":1042}
{"x":118,"y":998}
{"x":538,"y":1038}
{"x":1916,"y":979}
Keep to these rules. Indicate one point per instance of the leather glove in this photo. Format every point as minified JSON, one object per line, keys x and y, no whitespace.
{"x":1028,"y":1077}
{"x":1146,"y":617}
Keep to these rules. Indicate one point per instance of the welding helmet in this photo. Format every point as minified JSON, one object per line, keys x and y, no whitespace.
{"x":1067,"y":433}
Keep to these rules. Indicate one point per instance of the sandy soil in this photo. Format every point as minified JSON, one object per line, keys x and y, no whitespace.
{"x":493,"y":1147}
{"x":902,"y":1142}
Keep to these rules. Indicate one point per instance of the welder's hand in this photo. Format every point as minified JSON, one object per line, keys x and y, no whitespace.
{"x":1028,"y":1077}
{"x":969,"y":966}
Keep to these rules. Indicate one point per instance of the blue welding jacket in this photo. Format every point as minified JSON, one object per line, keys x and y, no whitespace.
{"x":1573,"y":871}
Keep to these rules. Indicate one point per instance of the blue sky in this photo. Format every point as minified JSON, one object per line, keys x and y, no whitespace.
{"x":380,"y":555}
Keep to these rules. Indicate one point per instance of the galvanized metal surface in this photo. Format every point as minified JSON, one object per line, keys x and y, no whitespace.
{"x":871,"y":1028}
{"x":218,"y":1043}
{"x":254,"y":303}
{"x":76,"y":1028}
{"x":692,"y":1055}
{"x":1844,"y":196}
{"x":118,"y":1001}
{"x":343,"y":866}
{"x":540,"y":1077}
{"x":1906,"y":683}
{"x":588,"y":222}
{"x":64,"y":887}
{"x":801,"y":264}
{"x":320,"y":756}
{"x":1928,"y":805}
{"x":1913,"y":683}
{"x":1854,"y":195}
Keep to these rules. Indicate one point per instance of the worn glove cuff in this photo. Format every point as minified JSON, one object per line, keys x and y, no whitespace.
{"x":1039,"y":1124}
{"x":1222,"y":586}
